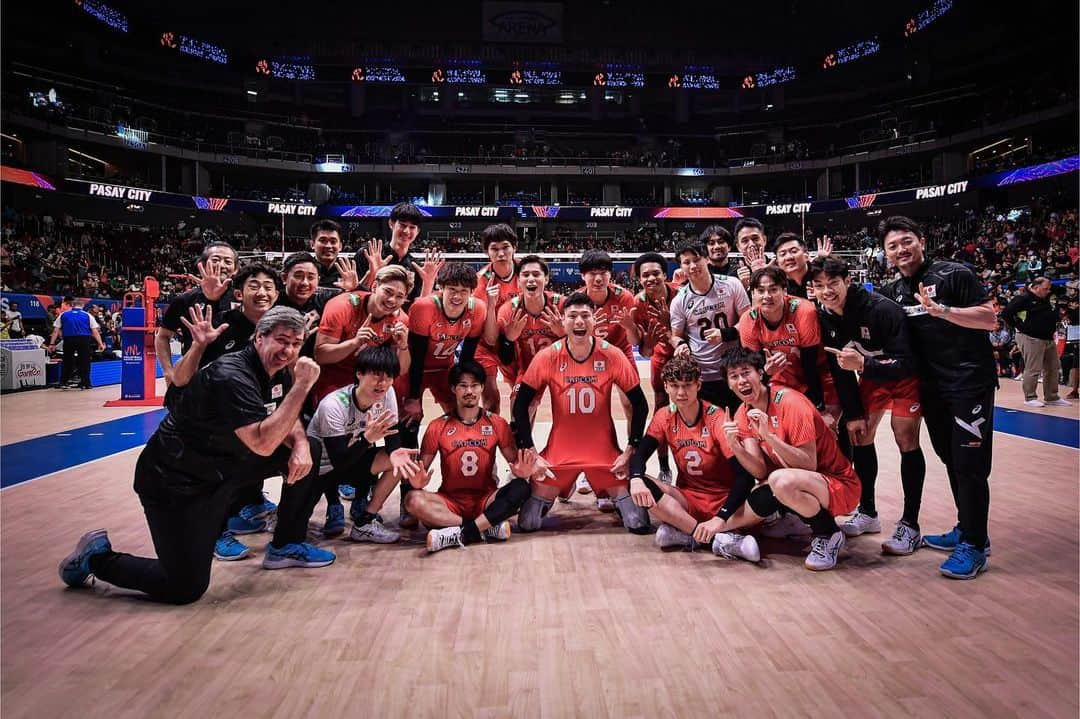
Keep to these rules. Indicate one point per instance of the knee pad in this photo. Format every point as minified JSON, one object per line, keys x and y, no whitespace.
{"x":532,"y":513}
{"x":634,"y":518}
{"x":762,"y":501}
{"x":516,"y":491}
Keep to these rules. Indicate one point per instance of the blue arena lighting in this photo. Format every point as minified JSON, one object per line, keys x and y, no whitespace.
{"x":102,"y":12}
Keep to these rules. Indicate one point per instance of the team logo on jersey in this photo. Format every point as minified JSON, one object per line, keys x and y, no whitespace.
{"x":598,"y":366}
{"x":832,"y":333}
{"x":775,"y":420}
{"x":791,"y":328}
{"x":466,"y":323}
{"x":276,"y":391}
{"x":562,"y":367}
{"x":229,"y":344}
{"x":864,"y":332}
{"x":930,"y":290}
{"x":450,"y":430}
{"x":704,"y":432}
{"x":487,"y":430}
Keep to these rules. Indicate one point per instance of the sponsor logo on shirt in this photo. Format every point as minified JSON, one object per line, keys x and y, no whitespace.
{"x":914,"y":408}
{"x":864,"y":332}
{"x":450,"y":430}
{"x":790,"y":328}
{"x":229,"y":345}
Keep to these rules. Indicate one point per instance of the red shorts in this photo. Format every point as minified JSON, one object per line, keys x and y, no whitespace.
{"x":901,"y":396}
{"x":702,"y":505}
{"x":467,"y":505}
{"x":844,"y":494}
{"x":438,"y":381}
{"x":600,"y":479}
{"x":491,"y":364}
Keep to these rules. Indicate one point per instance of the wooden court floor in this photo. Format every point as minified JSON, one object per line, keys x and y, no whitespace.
{"x":579,"y":620}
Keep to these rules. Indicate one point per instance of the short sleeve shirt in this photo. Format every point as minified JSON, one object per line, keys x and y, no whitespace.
{"x":719,"y":307}
{"x":798,"y":327}
{"x":339,"y":415}
{"x":700,"y":450}
{"x":467,"y":452}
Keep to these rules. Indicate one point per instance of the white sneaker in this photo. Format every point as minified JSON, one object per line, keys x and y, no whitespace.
{"x":605,"y":504}
{"x":782,"y":526}
{"x":1058,"y":403}
{"x":905,"y":540}
{"x":668,"y":536}
{"x":499,"y":532}
{"x":1034,"y":403}
{"x":730,"y":545}
{"x":665,"y":476}
{"x":860,"y":523}
{"x":583,"y":486}
{"x":374,"y":531}
{"x":824,"y":551}
{"x":442,"y":538}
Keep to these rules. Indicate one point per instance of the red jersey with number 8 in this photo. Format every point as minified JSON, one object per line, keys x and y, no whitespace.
{"x":582,"y":426}
{"x":467,"y":452}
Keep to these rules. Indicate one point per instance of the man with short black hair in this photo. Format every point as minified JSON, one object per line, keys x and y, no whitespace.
{"x":1035,"y":321}
{"x":216,"y":266}
{"x":950,"y":318}
{"x":750,"y":240}
{"x":496,"y":284}
{"x":718,"y":243}
{"x":334,"y":270}
{"x":704,"y":320}
{"x":78,"y":327}
{"x":404,"y":224}
{"x":236,"y":422}
{"x":793,"y":258}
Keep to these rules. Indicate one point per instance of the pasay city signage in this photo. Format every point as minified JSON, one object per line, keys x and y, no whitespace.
{"x":120,"y":192}
{"x":929,"y":193}
{"x":788,"y":209}
{"x":286,"y":208}
{"x":615,"y":211}
{"x":475,"y":211}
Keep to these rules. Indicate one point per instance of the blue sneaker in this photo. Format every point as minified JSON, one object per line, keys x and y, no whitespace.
{"x":947,"y":542}
{"x":75,"y":569}
{"x":240,"y":525}
{"x":347,"y":492}
{"x":228,"y":548}
{"x":335,"y":520}
{"x":965,"y":562}
{"x":259,"y":510}
{"x":296,"y":555}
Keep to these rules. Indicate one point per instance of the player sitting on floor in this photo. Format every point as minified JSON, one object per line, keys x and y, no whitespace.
{"x":782,"y":440}
{"x":710,"y":498}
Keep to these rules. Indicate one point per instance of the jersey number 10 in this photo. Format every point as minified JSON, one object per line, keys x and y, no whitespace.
{"x":582,"y":399}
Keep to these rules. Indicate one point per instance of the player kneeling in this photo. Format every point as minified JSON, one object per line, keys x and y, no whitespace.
{"x":581,"y":372}
{"x":348,"y":424}
{"x":709,"y":499}
{"x":782,"y":440}
{"x":469,"y":506}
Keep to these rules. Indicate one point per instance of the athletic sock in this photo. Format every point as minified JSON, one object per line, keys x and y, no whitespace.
{"x":364,"y":519}
{"x":866,"y":466}
{"x":469,"y":532}
{"x":822,"y":524}
{"x":912,"y":476}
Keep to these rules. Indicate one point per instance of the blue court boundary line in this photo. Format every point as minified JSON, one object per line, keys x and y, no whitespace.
{"x":33,"y":458}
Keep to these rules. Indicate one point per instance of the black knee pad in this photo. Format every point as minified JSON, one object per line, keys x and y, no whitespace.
{"x":653,"y":488}
{"x":516,"y":491}
{"x":762,"y":501}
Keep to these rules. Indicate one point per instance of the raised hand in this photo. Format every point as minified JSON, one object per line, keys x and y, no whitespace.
{"x":365,"y":334}
{"x":381,"y":426}
{"x":932,"y":308}
{"x":311,"y":323}
{"x":210,"y":282}
{"x":201,"y":327}
{"x":516,"y":325}
{"x":433,"y":262}
{"x":824,"y":246}
{"x":346,"y":267}
{"x":412,"y":411}
{"x":730,"y":429}
{"x":404,"y":464}
{"x":761,"y":423}
{"x":373,"y":253}
{"x":848,"y":358}
{"x":713,"y":336}
{"x":400,"y":333}
{"x":553,"y":319}
{"x":774,"y":362}
{"x":305,"y":373}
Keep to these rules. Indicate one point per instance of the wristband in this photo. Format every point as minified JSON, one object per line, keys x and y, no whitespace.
{"x":724,"y":513}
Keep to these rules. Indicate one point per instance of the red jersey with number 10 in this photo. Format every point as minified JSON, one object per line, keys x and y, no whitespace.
{"x":700,"y":450}
{"x":582,"y":426}
{"x":467,"y":452}
{"x":537,"y":334}
{"x":427,"y":317}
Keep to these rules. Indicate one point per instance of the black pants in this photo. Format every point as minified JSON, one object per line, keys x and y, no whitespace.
{"x":77,"y":347}
{"x":359,"y":477}
{"x":962,"y":433}
{"x":185,"y":527}
{"x":717,"y":392}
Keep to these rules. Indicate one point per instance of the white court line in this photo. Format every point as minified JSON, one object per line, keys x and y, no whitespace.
{"x":96,"y":434}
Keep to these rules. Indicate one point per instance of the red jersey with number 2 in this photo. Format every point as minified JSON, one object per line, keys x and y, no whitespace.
{"x":582,"y":426}
{"x":701,"y":452}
